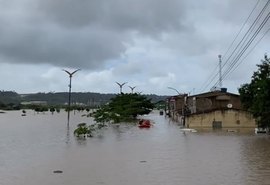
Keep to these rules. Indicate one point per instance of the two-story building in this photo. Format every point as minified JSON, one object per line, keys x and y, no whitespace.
{"x":216,"y":109}
{"x":175,"y":107}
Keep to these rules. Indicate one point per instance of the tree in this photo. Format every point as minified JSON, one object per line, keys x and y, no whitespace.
{"x":124,"y":107}
{"x":255,"y":96}
{"x":84,"y":130}
{"x":52,"y":110}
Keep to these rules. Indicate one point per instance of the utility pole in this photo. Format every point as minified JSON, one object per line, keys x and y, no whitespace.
{"x":69,"y":92}
{"x":220,"y":73}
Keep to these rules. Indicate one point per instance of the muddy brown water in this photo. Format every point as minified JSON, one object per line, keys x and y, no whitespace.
{"x":40,"y":149}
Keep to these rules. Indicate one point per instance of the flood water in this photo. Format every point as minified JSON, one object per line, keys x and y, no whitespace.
{"x":32,"y":147}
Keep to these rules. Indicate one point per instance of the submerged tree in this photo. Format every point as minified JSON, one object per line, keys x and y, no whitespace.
{"x":124,"y":107}
{"x":84,"y":130}
{"x":255,"y":95}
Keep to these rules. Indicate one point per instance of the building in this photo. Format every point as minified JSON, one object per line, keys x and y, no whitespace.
{"x":175,"y":107}
{"x":216,"y":109}
{"x":34,"y":103}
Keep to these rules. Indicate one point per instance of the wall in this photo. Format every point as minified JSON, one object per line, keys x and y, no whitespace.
{"x":230,"y":119}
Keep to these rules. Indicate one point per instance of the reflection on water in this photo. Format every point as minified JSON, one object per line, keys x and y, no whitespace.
{"x":34,"y":146}
{"x":256,"y":159}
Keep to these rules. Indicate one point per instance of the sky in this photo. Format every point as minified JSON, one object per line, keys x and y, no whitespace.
{"x":150,"y":44}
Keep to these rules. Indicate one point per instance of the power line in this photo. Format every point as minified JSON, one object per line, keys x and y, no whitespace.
{"x":251,"y":49}
{"x":243,"y":45}
{"x":214,"y":75}
{"x":239,"y":55}
{"x":224,"y":56}
{"x":248,"y":32}
{"x":237,"y":58}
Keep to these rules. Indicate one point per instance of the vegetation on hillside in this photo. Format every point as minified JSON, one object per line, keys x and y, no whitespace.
{"x":11,"y":99}
{"x":255,"y":95}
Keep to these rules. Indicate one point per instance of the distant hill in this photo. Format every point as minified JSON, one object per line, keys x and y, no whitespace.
{"x":9,"y":97}
{"x":60,"y":98}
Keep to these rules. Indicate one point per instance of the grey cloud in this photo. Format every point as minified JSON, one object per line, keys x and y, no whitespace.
{"x":143,"y":16}
{"x":70,"y":13}
{"x":80,"y":33}
{"x":86,"y":34}
{"x":84,"y":48}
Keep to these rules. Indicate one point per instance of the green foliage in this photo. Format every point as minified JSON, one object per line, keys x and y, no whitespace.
{"x":84,"y":130}
{"x":41,"y":109}
{"x":160,"y":105}
{"x":124,"y":107}
{"x":255,"y":96}
{"x":58,"y":110}
{"x":92,"y":100}
{"x":60,"y":98}
{"x":52,"y":110}
{"x":8,"y":97}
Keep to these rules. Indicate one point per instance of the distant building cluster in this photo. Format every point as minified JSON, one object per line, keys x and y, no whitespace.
{"x":34,"y":103}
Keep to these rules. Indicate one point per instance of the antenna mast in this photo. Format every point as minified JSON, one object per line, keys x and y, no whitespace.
{"x":220,"y":73}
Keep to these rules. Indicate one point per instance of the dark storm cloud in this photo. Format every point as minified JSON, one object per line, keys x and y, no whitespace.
{"x":143,"y":16}
{"x":60,"y":47}
{"x":81,"y":33}
{"x":149,"y":43}
{"x":89,"y":33}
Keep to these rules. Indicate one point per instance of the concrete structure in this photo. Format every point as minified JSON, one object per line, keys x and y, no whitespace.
{"x":175,"y":107}
{"x":229,"y":118}
{"x":217,"y":109}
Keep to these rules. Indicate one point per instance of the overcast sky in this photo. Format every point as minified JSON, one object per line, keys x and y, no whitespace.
{"x":151,"y":44}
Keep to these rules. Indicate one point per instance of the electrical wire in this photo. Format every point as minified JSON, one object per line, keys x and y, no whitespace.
{"x":239,"y":55}
{"x":213,"y":74}
{"x":243,"y":45}
{"x":251,"y":28}
{"x":224,"y":56}
{"x":251,"y":50}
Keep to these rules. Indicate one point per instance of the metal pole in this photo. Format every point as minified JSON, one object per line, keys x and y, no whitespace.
{"x":183,"y":104}
{"x":69,"y":92}
{"x":220,"y":73}
{"x":174,"y":90}
{"x":121,"y":85}
{"x":132,"y":89}
{"x":69,"y":96}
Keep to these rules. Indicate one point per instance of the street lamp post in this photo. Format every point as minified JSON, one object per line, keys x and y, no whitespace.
{"x":69,"y":92}
{"x":132,"y":89}
{"x":175,"y":90}
{"x":121,"y":86}
{"x":183,"y":104}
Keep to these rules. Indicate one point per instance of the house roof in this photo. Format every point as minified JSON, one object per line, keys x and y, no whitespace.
{"x":213,"y":93}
